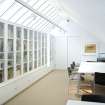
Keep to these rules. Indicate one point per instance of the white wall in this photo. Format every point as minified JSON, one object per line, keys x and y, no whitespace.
{"x":61,"y":52}
{"x":78,"y":37}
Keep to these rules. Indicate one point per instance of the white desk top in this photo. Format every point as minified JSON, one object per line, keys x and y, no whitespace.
{"x":91,"y":67}
{"x":73,"y":102}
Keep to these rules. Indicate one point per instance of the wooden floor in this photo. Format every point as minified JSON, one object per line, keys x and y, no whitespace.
{"x":51,"y":90}
{"x":54,"y":89}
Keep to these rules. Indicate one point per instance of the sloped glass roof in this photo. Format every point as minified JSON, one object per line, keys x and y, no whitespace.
{"x":12,"y":11}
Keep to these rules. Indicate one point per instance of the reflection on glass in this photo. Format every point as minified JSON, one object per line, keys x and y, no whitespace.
{"x":25,"y":45}
{"x":18,"y":70}
{"x":25,"y":56}
{"x":1,"y":45}
{"x":30,"y":46}
{"x":10,"y":31}
{"x":1,"y":71}
{"x":10,"y":45}
{"x":25,"y":68}
{"x":25,"y":33}
{"x":18,"y":32}
{"x":42,"y":60}
{"x":30,"y":34}
{"x":30,"y":56}
{"x":10,"y":72}
{"x":30,"y":66}
{"x":18,"y":45}
{"x":18,"y":58}
{"x":35,"y":54}
{"x":1,"y":55}
{"x":10,"y":63}
{"x":35,"y":36}
{"x":35,"y":46}
{"x":10,"y":55}
{"x":35,"y":64}
{"x":1,"y":29}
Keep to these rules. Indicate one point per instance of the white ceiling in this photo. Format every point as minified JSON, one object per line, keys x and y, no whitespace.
{"x":88,"y":13}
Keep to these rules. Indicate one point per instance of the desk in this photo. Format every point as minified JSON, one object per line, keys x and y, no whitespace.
{"x":90,"y":67}
{"x":73,"y":102}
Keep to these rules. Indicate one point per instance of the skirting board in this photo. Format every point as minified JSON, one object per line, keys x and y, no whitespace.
{"x":11,"y":89}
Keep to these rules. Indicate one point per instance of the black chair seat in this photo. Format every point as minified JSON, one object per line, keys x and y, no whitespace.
{"x":93,"y":98}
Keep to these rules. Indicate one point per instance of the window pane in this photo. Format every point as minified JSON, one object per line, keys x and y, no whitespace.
{"x":25,"y":56}
{"x":30,"y":56}
{"x":1,"y":29}
{"x":31,"y":35}
{"x":18,"y":45}
{"x":30,"y":66}
{"x":10,"y":72}
{"x":18,"y":32}
{"x":30,"y":45}
{"x":25,"y":33}
{"x":1,"y":45}
{"x":25,"y":68}
{"x":25,"y":45}
{"x":1,"y":71}
{"x":10,"y":31}
{"x":18,"y":58}
{"x":1,"y":55}
{"x":35,"y":64}
{"x":10,"y":56}
{"x":18,"y":70}
{"x":10,"y":45}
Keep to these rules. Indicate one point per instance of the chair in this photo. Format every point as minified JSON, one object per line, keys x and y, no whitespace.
{"x":99,"y":83}
{"x":69,"y":71}
{"x":93,"y":98}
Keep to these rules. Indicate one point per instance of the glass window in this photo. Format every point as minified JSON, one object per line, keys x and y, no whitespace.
{"x":30,"y":45}
{"x":18,"y":45}
{"x":30,"y":66}
{"x":25,"y":45}
{"x":10,"y":72}
{"x":10,"y":45}
{"x":25,"y":68}
{"x":1,"y":71}
{"x":35,"y":64}
{"x":31,"y":35}
{"x":10,"y":56}
{"x":18,"y":70}
{"x":35,"y":54}
{"x":1,"y":29}
{"x":25,"y":56}
{"x":1,"y":45}
{"x":30,"y":56}
{"x":25,"y":33}
{"x":10,"y":31}
{"x":18,"y":58}
{"x":35,"y":45}
{"x":35,"y":36}
{"x":1,"y":55}
{"x":18,"y":32}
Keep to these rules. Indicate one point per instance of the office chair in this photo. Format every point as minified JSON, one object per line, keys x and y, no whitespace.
{"x":99,"y":83}
{"x":93,"y":98}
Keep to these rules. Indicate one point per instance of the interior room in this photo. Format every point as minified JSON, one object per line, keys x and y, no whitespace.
{"x":52,"y":52}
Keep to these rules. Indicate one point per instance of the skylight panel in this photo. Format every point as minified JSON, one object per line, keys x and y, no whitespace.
{"x":28,"y":20}
{"x":11,"y":11}
{"x":37,"y":6}
{"x":33,"y":2}
{"x":19,"y":15}
{"x":44,"y":7}
{"x":5,"y":6}
{"x":31,"y":24}
{"x":24,"y":17}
